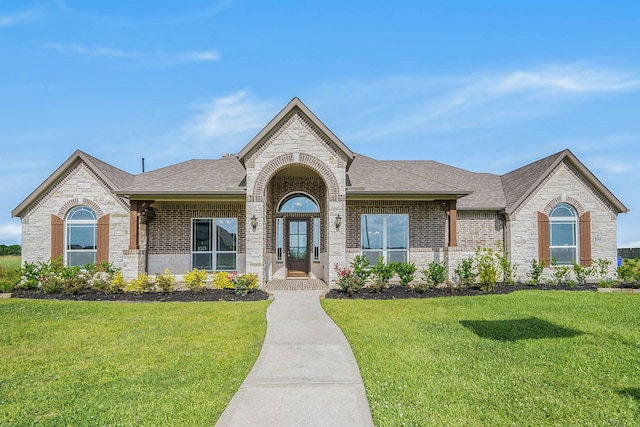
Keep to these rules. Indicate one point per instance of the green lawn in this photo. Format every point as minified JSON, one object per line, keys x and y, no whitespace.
{"x":8,"y":263}
{"x":530,"y":358}
{"x":147,"y":364}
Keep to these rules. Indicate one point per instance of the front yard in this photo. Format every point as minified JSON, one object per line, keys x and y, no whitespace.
{"x":543,"y":358}
{"x":147,"y":364}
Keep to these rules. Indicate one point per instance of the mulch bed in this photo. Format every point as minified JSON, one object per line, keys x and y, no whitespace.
{"x":400,"y":292}
{"x":180,"y":296}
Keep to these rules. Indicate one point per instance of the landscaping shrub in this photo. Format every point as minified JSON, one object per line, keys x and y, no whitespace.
{"x":140,"y":284}
{"x":348,"y":282}
{"x":382,"y":272}
{"x":508,"y":269}
{"x":535,"y":272}
{"x":360,"y":268}
{"x":487,"y":268}
{"x":581,"y":273}
{"x":629,"y":271}
{"x":465,"y":271}
{"x":601,"y":268}
{"x":432,"y":276}
{"x":195,"y":280}
{"x":75,"y":280}
{"x":166,"y":282}
{"x":110,"y":280}
{"x":406,"y":272}
{"x":560,"y":273}
{"x":243,"y":283}
{"x":223,"y":280}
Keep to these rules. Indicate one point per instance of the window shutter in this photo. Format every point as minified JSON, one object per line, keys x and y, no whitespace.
{"x":102,"y":254}
{"x":57,"y":237}
{"x":544,"y":253}
{"x":585,"y":239}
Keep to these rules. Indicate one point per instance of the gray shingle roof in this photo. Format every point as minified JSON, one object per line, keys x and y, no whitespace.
{"x":220,"y":176}
{"x":486,"y":188}
{"x":370,"y":176}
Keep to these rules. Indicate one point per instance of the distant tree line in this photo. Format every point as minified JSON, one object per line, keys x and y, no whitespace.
{"x":10,"y":250}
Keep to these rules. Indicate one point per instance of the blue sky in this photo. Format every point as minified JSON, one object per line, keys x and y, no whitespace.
{"x":484,"y":85}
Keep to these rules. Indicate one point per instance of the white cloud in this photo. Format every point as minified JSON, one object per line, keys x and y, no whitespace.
{"x":17,"y":18}
{"x":10,"y":232}
{"x":478,"y":100}
{"x":195,"y":56}
{"x":228,"y":116}
{"x":82,"y":50}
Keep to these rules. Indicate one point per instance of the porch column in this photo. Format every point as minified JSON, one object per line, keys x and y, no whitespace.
{"x":255,"y":241}
{"x":452,"y":213}
{"x":134,"y":231}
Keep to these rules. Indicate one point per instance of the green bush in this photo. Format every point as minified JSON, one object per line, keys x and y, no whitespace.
{"x":166,"y":282}
{"x":360,"y":268}
{"x":196,"y":280}
{"x":244,"y":283}
{"x":348,"y":282}
{"x":223,"y":280}
{"x":601,"y":268}
{"x":581,"y":273}
{"x":109,"y":280}
{"x":560,"y":274}
{"x":383,"y":271}
{"x":466,"y":271}
{"x":140,"y":284}
{"x":75,"y":280}
{"x":629,"y":271}
{"x":487,"y":267}
{"x":535,"y":272}
{"x":406,"y":271}
{"x":434,"y":275}
{"x":507,"y":268}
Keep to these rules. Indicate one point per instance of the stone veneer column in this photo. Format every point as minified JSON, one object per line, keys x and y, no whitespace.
{"x":255,"y":242}
{"x":337,"y":242}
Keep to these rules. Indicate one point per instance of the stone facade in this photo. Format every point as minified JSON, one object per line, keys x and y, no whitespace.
{"x":563,"y":184}
{"x":79,"y":186}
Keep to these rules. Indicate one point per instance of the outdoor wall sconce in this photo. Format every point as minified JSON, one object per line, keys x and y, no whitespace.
{"x":338,"y":222}
{"x":254,"y":222}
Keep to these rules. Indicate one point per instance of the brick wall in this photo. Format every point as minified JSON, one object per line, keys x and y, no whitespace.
{"x":170,"y":232}
{"x":484,"y":229}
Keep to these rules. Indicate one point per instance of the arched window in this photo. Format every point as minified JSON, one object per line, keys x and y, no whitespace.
{"x":298,"y":203}
{"x":81,"y":236}
{"x":563,"y":234}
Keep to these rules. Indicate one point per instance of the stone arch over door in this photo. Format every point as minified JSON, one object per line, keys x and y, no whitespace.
{"x":295,"y":159}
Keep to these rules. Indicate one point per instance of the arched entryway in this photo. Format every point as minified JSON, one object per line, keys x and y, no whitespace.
{"x":297,"y":197}
{"x":298,"y":233}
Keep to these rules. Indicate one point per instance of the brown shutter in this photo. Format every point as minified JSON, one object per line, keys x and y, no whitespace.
{"x":57,"y":237}
{"x":102,"y":254}
{"x":543,"y":239}
{"x":585,"y":239}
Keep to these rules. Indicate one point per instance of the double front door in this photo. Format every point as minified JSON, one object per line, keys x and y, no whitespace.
{"x":297,"y":247}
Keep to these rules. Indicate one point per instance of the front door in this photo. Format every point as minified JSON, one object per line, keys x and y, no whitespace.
{"x":298,"y":247}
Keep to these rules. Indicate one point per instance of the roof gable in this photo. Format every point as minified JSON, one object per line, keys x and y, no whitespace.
{"x":295,"y":106}
{"x":112,"y":177}
{"x":520,"y":183}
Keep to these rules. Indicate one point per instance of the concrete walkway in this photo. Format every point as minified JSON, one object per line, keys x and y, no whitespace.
{"x":306,"y":374}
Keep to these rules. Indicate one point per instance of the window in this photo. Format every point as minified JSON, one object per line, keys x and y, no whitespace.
{"x":316,"y":239}
{"x":81,"y":236}
{"x":214,"y":244}
{"x":385,"y":236}
{"x":297,"y":203}
{"x":563,"y":234}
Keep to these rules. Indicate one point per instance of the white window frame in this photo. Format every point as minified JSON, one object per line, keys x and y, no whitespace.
{"x":213,"y":252}
{"x":575,"y":222}
{"x":80,"y":222}
{"x":385,"y":250}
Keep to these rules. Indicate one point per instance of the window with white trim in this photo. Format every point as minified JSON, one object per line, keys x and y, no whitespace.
{"x":563,"y":234}
{"x":214,"y":244}
{"x":385,"y":235}
{"x":81,"y":237}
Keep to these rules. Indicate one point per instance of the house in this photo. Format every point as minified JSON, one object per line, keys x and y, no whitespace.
{"x":296,"y":201}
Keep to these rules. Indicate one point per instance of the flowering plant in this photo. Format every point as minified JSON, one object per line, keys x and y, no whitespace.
{"x":347,"y":280}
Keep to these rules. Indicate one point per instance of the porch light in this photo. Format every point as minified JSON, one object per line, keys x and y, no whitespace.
{"x":254,"y":222}
{"x":338,"y":221}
